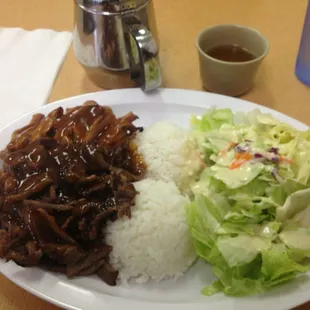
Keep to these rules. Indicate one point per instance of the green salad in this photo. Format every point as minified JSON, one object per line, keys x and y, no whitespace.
{"x":250,"y":214}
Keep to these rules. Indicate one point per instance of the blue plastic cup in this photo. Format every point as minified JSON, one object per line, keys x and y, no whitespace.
{"x":302,"y":68}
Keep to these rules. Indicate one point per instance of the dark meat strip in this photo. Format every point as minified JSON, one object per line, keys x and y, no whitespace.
{"x":31,"y":257}
{"x":125,"y":175}
{"x":93,"y":188}
{"x":47,"y":142}
{"x":25,"y":260}
{"x":3,"y":176}
{"x":10,"y":184}
{"x":79,"y":216}
{"x":93,"y":268}
{"x":94,"y":158}
{"x":32,"y":247}
{"x":63,"y":253}
{"x":98,"y":220}
{"x":43,"y":128}
{"x":4,"y":242}
{"x":56,"y":114}
{"x":67,"y":223}
{"x":21,"y":137}
{"x":44,"y":228}
{"x":52,"y":192}
{"x":32,"y":156}
{"x":122,"y":197}
{"x":30,"y":186}
{"x":100,"y":161}
{"x":73,"y":120}
{"x":95,"y":256}
{"x":83,"y":207}
{"x":83,"y":226}
{"x":88,"y":179}
{"x":37,"y":204}
{"x":11,"y":234}
{"x":108,"y":274}
{"x":35,"y":121}
{"x":92,"y":103}
{"x":98,"y":127}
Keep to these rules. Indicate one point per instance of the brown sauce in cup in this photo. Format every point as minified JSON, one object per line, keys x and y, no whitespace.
{"x":230,"y":53}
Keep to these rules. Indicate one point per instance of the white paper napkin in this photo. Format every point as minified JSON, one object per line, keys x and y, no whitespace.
{"x":29,"y":64}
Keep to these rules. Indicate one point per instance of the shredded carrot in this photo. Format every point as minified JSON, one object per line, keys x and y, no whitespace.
{"x":246,"y":156}
{"x":238,"y":156}
{"x":226,"y":149}
{"x":287,"y":160}
{"x":240,"y":159}
{"x":243,"y":156}
{"x":236,"y":164}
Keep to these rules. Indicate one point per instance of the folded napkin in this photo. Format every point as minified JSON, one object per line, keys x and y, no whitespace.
{"x":29,"y":63}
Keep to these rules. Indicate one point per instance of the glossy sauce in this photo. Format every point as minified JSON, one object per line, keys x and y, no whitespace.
{"x":230,"y":53}
{"x":64,"y":155}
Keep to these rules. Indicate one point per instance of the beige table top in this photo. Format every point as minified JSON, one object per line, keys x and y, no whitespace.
{"x":280,"y":20}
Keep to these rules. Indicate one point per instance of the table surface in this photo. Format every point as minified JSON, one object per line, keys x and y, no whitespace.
{"x":178,"y":24}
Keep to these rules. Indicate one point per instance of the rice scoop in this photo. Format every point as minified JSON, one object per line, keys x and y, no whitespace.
{"x":155,"y":243}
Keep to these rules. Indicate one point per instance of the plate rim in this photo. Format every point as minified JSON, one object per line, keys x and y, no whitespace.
{"x":160,"y":96}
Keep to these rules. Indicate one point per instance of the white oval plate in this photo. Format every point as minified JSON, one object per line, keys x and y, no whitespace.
{"x":90,"y":292}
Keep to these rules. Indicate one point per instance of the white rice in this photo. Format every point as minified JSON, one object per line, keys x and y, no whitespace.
{"x":155,"y":243}
{"x":170,"y":154}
